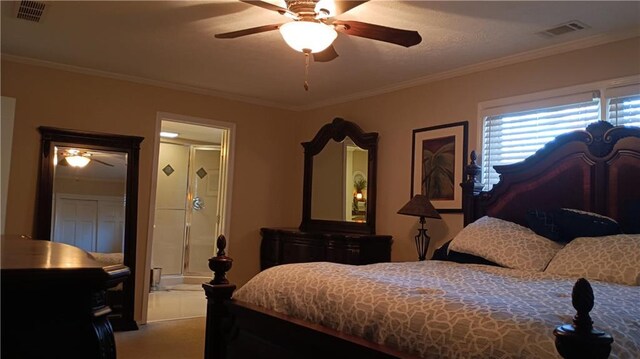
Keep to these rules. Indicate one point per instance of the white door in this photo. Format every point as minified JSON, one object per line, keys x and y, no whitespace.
{"x":171,"y":196}
{"x":110,"y":227}
{"x":75,"y":223}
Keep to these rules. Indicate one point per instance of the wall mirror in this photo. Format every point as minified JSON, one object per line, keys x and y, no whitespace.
{"x":88,"y":194}
{"x":339,"y":189}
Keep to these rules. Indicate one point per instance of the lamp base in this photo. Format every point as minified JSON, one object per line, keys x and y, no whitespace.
{"x":422,"y":241}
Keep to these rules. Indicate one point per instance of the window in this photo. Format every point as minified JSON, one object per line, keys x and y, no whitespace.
{"x":515,"y":131}
{"x":625,"y":111}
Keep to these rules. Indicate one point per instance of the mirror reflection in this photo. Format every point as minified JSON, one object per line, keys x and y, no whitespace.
{"x":89,"y":191}
{"x":339,"y":182}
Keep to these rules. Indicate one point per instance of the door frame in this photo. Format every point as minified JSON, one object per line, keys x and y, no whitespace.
{"x":226,"y":184}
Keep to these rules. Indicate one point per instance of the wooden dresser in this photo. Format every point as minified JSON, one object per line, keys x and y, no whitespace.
{"x":289,"y":245}
{"x":53,"y":301}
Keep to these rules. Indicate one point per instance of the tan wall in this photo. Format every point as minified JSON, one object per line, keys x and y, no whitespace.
{"x":267,"y":186}
{"x":395,"y":115}
{"x":263,"y":150}
{"x":90,"y":187}
{"x":327,"y":184}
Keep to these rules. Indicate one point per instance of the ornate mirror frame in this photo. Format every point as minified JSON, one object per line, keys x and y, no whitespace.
{"x":129,"y":145}
{"x":337,"y":131}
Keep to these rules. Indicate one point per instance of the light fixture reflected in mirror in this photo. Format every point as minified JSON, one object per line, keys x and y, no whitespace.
{"x":78,"y":160}
{"x":73,"y":158}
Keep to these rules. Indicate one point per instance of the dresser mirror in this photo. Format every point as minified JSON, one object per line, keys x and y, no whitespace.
{"x":87,"y":198}
{"x":339,"y":189}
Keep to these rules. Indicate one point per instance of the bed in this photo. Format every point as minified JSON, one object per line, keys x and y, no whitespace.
{"x":114,"y":295}
{"x":492,"y":293}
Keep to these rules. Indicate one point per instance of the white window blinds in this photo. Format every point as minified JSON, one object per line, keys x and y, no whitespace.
{"x":514,"y":130}
{"x":623,"y":105}
{"x":512,"y":137}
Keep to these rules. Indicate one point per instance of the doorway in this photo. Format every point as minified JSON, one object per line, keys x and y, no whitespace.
{"x":190,"y":211}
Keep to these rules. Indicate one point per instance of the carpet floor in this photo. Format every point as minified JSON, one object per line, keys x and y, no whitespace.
{"x":175,"y":339}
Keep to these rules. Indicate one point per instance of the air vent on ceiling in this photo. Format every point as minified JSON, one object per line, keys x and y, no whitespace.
{"x":565,"y":28}
{"x":30,"y":10}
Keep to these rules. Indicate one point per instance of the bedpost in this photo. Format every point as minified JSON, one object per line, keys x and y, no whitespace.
{"x":580,"y":339}
{"x":471,"y":187}
{"x":218,"y":292}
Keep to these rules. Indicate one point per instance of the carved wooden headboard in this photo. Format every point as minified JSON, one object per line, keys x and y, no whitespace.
{"x":596,"y":170}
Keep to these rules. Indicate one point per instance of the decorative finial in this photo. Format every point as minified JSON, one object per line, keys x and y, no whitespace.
{"x":582,"y":300}
{"x":580,"y":339}
{"x":221,"y":243}
{"x":220,"y":264}
{"x":472,"y":170}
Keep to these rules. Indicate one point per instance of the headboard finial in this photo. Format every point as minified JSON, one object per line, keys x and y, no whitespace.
{"x":472,"y":170}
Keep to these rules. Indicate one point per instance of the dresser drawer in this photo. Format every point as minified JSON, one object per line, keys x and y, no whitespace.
{"x":281,"y":246}
{"x":297,"y":251}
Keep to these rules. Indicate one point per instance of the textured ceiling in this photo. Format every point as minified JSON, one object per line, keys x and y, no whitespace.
{"x":172,"y":43}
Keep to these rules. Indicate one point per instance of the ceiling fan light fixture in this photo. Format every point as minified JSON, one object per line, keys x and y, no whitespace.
{"x":308,"y":35}
{"x":78,"y":160}
{"x":326,"y":8}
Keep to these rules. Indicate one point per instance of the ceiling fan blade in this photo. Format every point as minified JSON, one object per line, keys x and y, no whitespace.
{"x":406,"y":38}
{"x":325,"y":55}
{"x":343,"y":6}
{"x":102,"y":162}
{"x":250,"y":31}
{"x":268,"y":6}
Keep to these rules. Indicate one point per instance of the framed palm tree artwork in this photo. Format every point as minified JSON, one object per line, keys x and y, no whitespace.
{"x":439,"y":154}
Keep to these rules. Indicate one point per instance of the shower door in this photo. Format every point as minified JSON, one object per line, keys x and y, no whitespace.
{"x":202,"y":213}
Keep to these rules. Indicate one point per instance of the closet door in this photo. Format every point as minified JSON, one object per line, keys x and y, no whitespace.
{"x":110,"y":226}
{"x":76,"y":222}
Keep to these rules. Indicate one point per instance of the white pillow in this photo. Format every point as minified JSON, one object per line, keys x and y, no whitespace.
{"x":505,"y":243}
{"x":609,"y":258}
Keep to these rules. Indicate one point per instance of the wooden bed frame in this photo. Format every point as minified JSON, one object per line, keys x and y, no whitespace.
{"x":595,"y":170}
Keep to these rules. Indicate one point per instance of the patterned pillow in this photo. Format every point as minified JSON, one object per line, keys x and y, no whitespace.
{"x":544,"y":224}
{"x":505,"y":243}
{"x":574,"y":223}
{"x":565,"y":224}
{"x":610,"y":258}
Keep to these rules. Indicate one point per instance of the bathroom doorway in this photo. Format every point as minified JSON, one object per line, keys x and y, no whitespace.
{"x":191,"y":203}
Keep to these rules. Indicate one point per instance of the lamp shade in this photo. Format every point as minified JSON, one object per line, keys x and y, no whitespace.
{"x":308,"y":35}
{"x":419,"y":206}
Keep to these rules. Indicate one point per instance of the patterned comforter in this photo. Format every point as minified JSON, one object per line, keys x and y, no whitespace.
{"x":437,"y":309}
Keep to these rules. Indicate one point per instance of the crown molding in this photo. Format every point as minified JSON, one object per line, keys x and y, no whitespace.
{"x":143,"y":81}
{"x":465,"y":70}
{"x":486,"y":65}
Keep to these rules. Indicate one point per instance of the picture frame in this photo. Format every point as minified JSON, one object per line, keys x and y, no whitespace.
{"x":438,"y":158}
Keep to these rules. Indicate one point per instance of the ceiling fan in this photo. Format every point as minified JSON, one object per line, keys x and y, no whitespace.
{"x":77,"y":158}
{"x":314,"y":27}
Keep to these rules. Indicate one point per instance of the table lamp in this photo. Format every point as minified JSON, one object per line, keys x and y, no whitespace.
{"x":420,"y":206}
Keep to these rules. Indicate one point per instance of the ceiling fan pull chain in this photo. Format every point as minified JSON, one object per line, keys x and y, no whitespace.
{"x":306,"y":69}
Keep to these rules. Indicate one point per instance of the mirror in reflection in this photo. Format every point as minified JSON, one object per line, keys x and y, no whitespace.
{"x":89,"y":191}
{"x":339,"y":182}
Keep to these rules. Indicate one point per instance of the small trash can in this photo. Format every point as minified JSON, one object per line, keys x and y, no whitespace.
{"x":156,"y":274}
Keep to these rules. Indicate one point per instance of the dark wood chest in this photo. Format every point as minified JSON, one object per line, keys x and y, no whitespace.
{"x":288,"y":245}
